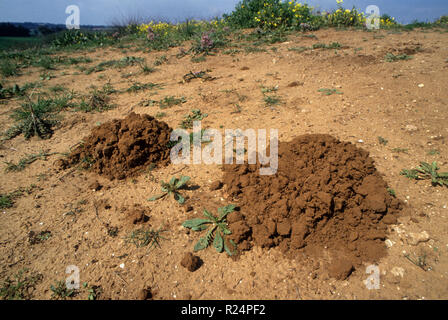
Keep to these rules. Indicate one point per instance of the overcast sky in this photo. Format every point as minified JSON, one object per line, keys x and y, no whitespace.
{"x":104,"y":12}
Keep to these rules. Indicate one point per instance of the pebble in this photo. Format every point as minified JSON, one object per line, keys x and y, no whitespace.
{"x":421,"y":85}
{"x":416,"y":238}
{"x":389,"y":243}
{"x":122,"y":265}
{"x":411,"y":128}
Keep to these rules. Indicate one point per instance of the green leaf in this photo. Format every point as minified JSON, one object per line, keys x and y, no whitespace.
{"x":209,"y":215}
{"x":201,"y":245}
{"x":224,"y":229}
{"x":157,"y":197}
{"x":224,"y":211}
{"x":173,"y":181}
{"x":218,"y":243}
{"x":179,"y":198}
{"x":182,"y":181}
{"x":200,"y":228}
{"x":195,"y":222}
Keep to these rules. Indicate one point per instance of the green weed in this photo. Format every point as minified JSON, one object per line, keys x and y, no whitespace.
{"x":426,"y":171}
{"x":173,"y":188}
{"x":217,"y":230}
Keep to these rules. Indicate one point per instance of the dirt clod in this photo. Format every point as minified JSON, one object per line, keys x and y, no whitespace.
{"x":145,"y":294}
{"x":216,"y":185}
{"x":326,"y":196}
{"x":191,"y":262}
{"x":121,"y":148}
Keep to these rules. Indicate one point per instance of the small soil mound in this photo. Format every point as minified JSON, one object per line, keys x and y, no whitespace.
{"x":121,"y":148}
{"x":191,"y":262}
{"x":326,"y":194}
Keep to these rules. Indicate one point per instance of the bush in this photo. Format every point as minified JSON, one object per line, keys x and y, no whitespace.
{"x":243,"y":16}
{"x":342,"y":17}
{"x":81,"y":37}
{"x":271,"y":14}
{"x":443,"y":20}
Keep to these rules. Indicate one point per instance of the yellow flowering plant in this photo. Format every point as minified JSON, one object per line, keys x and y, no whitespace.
{"x":345,"y":17}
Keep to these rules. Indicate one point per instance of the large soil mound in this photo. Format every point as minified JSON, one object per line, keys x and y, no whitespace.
{"x":121,"y":148}
{"x":326,"y":194}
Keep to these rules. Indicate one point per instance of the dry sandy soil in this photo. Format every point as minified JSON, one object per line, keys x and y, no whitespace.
{"x":404,"y":102}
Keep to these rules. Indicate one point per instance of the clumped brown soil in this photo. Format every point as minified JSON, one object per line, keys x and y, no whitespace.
{"x":325,"y":194}
{"x":120,"y":148}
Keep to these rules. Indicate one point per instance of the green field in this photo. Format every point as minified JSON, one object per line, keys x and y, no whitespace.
{"x":18,"y":42}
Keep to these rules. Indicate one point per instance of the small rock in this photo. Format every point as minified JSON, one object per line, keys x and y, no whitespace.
{"x":145,"y":294}
{"x":421,"y":85}
{"x":216,"y":185}
{"x":389,"y":243}
{"x":340,"y":269}
{"x":411,"y":128}
{"x":191,"y":262}
{"x":95,"y":186}
{"x":416,"y":238}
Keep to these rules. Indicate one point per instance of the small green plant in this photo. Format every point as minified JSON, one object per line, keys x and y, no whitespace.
{"x":60,"y":290}
{"x":427,"y":171}
{"x":27,"y":160}
{"x":160,"y":60}
{"x":390,"y":57}
{"x":145,"y":237}
{"x":97,"y":101}
{"x":382,"y":141}
{"x":391,"y":192}
{"x":34,"y":119}
{"x":5,"y":201}
{"x":298,"y":49}
{"x":269,"y":89}
{"x":329,"y":92}
{"x":93,"y":291}
{"x":195,"y":115}
{"x":20,"y":287}
{"x":198,"y":59}
{"x":400,"y":150}
{"x":217,"y":230}
{"x":142,"y":86}
{"x":35,"y":238}
{"x":333,"y":45}
{"x":173,"y":188}
{"x":271,"y":100}
{"x":45,"y":76}
{"x":433,"y":152}
{"x":160,"y":115}
{"x":170,"y":101}
{"x":8,"y":68}
{"x":146,"y":69}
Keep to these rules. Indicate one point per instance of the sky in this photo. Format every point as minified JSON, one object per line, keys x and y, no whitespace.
{"x":107,"y":12}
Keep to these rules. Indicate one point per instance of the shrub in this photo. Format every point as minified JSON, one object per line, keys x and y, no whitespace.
{"x":81,"y":37}
{"x":243,"y":16}
{"x":342,"y":17}
{"x":270,"y":14}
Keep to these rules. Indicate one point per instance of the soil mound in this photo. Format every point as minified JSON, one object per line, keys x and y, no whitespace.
{"x":326,"y":196}
{"x":122,"y":148}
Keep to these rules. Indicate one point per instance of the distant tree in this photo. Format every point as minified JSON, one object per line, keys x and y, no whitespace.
{"x":11,"y":30}
{"x":46,"y":30}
